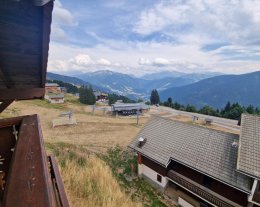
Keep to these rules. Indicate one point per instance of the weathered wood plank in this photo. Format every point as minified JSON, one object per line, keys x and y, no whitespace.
{"x":46,"y":29}
{"x":6,"y":79}
{"x":56,"y":178}
{"x":11,"y":121}
{"x":21,"y":94}
{"x":29,"y":180}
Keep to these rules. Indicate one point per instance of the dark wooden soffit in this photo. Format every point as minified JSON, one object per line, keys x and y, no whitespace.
{"x":21,"y":94}
{"x":24,"y":45}
{"x":5,"y":104}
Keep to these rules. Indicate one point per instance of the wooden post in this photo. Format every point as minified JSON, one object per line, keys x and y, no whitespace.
{"x":93,"y":109}
{"x":137,"y":117}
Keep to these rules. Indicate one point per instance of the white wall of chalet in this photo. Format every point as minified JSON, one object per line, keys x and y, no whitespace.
{"x":152,"y":175}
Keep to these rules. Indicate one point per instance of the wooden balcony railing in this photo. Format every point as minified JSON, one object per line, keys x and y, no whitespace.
{"x":200,"y":190}
{"x":29,"y":177}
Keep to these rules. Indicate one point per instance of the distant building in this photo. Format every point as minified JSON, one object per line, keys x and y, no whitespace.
{"x":129,"y":108}
{"x":208,"y":121}
{"x":54,"y":97}
{"x":100,"y":96}
{"x":198,"y":166}
{"x":54,"y":93}
{"x":119,"y":102}
{"x":52,"y":88}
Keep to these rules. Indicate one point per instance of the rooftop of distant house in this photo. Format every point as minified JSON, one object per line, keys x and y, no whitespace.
{"x":51,"y":85}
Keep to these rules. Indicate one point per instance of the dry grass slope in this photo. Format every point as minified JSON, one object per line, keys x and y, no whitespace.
{"x":88,"y":180}
{"x":93,"y":185}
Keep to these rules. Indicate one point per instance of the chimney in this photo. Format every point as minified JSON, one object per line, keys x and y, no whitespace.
{"x":141,"y":141}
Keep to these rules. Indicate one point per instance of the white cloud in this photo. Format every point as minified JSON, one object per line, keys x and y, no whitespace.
{"x":57,"y":33}
{"x":138,"y":58}
{"x":233,"y":21}
{"x":82,"y":60}
{"x":103,"y":61}
{"x":63,"y":16}
{"x":161,"y":62}
{"x":143,"y":61}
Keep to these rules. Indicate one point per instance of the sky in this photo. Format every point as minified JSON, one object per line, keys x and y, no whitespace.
{"x":146,"y":36}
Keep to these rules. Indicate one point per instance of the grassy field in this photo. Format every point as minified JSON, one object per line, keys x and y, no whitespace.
{"x":96,"y":132}
{"x":94,"y":171}
{"x":88,"y":180}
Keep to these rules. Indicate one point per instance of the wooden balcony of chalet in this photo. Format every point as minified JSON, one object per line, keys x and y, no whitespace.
{"x":28,"y":177}
{"x":200,"y":190}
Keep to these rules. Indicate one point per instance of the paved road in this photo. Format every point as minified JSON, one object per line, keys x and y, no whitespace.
{"x":226,"y":123}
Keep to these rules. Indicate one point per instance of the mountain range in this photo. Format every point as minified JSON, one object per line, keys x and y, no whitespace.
{"x":135,"y":87}
{"x":128,"y":85}
{"x":198,"y":89}
{"x":217,"y":91}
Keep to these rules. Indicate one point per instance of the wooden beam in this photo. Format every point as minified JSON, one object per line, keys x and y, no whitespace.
{"x":21,"y":94}
{"x":46,"y":30}
{"x":5,"y":78}
{"x":11,"y":121}
{"x":5,"y":104}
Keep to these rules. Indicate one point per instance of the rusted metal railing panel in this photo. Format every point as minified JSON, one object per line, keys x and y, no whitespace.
{"x":57,"y":182}
{"x":29,"y":181}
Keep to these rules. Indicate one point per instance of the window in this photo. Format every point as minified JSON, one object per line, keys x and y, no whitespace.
{"x":159,"y":178}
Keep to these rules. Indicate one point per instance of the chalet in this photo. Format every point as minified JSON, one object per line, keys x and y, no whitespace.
{"x":54,"y":93}
{"x":129,"y":108}
{"x":28,"y":177}
{"x":54,"y":97}
{"x":52,"y":88}
{"x":101,"y":97}
{"x":198,"y":166}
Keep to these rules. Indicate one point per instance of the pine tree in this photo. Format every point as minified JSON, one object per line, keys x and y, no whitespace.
{"x":82,"y":95}
{"x":155,"y":98}
{"x":86,"y":95}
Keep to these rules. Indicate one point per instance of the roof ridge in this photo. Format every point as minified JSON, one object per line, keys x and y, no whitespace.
{"x":191,"y":124}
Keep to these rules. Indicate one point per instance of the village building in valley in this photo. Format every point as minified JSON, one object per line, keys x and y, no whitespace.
{"x":129,"y":108}
{"x":54,"y":93}
{"x":101,"y":97}
{"x":198,"y":166}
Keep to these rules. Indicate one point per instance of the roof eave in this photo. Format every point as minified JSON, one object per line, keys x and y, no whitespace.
{"x":138,"y":151}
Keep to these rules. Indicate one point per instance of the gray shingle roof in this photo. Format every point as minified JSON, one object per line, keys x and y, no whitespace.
{"x":130,"y":106}
{"x":249,"y":146}
{"x":206,"y":150}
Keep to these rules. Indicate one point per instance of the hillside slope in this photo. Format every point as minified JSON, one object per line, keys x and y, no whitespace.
{"x":74,"y":81}
{"x":217,"y":91}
